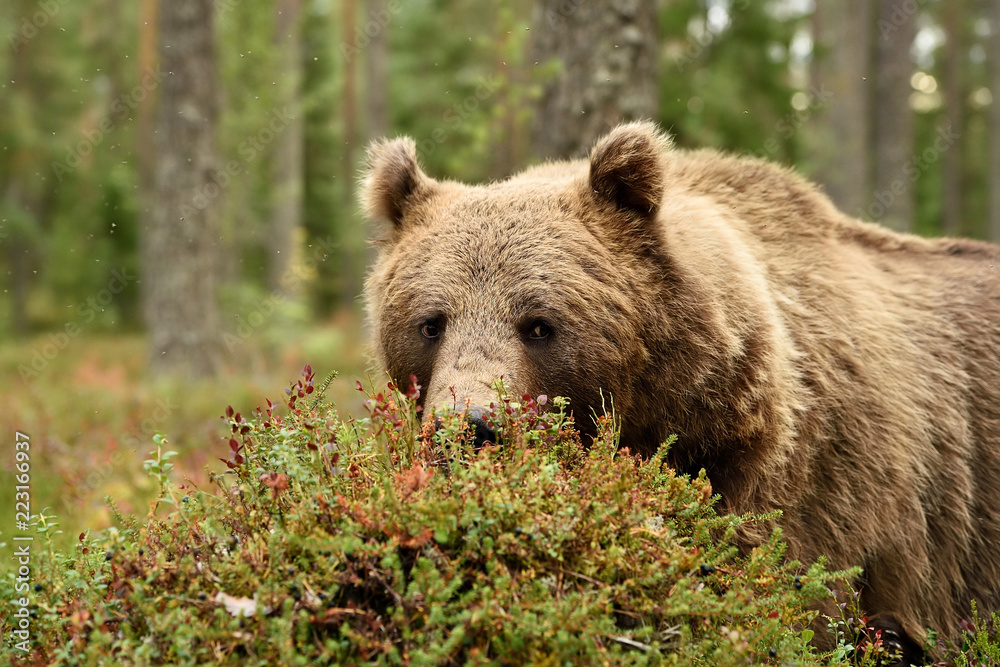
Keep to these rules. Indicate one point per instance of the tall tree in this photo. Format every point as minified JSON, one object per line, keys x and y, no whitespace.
{"x":843,"y":37}
{"x":377,"y":69}
{"x":994,"y":178}
{"x":351,"y":285}
{"x":180,"y":236}
{"x":954,"y":103}
{"x":289,"y":164}
{"x":892,"y":118}
{"x":21,"y":199}
{"x":607,"y":54}
{"x":146,"y":110}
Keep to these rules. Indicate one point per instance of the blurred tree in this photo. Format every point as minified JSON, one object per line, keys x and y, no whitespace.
{"x":732,"y":77}
{"x":607,"y":53}
{"x":22,"y":194}
{"x":180,"y":240}
{"x":842,"y":34}
{"x":993,"y":15}
{"x":953,"y":14}
{"x":377,"y":70}
{"x":288,"y":164}
{"x":325,"y":207}
{"x":145,"y":113}
{"x":892,"y":117}
{"x":349,"y":259}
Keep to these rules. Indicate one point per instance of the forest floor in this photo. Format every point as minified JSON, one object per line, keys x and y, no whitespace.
{"x":91,"y":412}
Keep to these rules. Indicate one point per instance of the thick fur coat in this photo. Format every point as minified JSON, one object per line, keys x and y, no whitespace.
{"x":810,"y":362}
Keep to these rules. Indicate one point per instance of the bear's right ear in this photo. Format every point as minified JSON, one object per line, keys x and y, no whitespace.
{"x":393,"y":179}
{"x":627,"y":168}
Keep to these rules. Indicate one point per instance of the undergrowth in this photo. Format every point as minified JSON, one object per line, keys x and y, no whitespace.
{"x":389,"y":540}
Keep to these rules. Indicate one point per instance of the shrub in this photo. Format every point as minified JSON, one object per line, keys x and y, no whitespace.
{"x":384,"y":539}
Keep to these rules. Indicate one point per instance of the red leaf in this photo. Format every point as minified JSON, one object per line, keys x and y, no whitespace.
{"x":414,"y":479}
{"x":278,"y":481}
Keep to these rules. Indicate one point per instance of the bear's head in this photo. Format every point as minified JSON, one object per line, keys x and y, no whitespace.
{"x":548,"y":280}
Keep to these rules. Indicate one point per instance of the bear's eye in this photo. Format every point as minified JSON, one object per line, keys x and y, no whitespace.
{"x":539,"y":330}
{"x":430,"y":329}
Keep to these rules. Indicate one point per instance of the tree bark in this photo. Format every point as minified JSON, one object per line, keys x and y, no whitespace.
{"x":607,"y":53}
{"x":17,"y":193}
{"x":350,"y":274}
{"x":843,"y":36}
{"x":289,"y":165}
{"x":892,"y":118}
{"x":377,"y":65}
{"x":994,"y":179}
{"x":146,"y":110}
{"x":953,"y":102}
{"x":180,"y":233}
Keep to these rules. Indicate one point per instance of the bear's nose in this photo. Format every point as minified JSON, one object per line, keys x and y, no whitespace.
{"x":483,"y":432}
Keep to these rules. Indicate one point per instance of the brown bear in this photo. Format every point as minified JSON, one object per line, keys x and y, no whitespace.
{"x":810,"y":362}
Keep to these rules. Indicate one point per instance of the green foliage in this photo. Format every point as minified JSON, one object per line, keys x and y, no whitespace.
{"x":382,"y":539}
{"x":981,"y":641}
{"x":734,"y":75}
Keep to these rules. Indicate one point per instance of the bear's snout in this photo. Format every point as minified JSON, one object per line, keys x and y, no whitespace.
{"x":483,"y":432}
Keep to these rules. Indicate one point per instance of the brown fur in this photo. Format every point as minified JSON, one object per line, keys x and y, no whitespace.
{"x":848,"y":375}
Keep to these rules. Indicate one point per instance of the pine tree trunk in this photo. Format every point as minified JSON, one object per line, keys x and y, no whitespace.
{"x":18,"y":195}
{"x":892,"y":118}
{"x":289,"y":165}
{"x":350,"y":252}
{"x":146,"y":111}
{"x":953,"y":102}
{"x":607,"y":53}
{"x":377,"y":66}
{"x":994,"y":179}
{"x":180,"y":237}
{"x":844,"y":164}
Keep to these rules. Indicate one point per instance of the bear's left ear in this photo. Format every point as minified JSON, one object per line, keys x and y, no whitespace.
{"x":393,"y":180}
{"x":627,"y":168}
